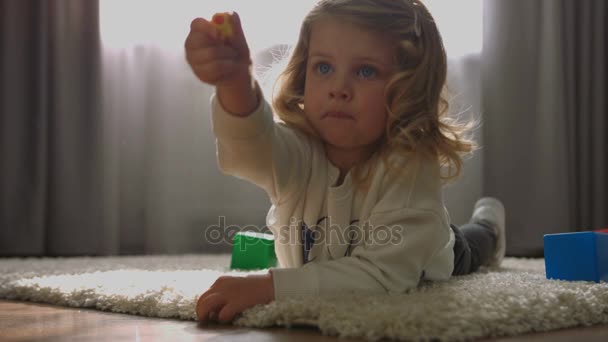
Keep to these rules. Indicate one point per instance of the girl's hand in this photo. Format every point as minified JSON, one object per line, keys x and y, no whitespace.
{"x":229,"y":296}
{"x":218,"y":61}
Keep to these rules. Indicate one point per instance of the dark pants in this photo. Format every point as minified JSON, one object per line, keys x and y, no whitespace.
{"x":474,"y":246}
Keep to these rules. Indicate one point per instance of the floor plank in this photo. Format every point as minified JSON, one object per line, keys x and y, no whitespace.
{"x":24,"y":321}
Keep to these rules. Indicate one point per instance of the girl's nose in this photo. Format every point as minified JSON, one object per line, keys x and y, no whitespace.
{"x":340,"y":90}
{"x":340,"y":94}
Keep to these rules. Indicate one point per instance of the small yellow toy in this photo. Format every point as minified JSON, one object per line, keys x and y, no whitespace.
{"x":223,"y":22}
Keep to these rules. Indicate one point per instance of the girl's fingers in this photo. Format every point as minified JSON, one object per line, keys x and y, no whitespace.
{"x":238,"y":40}
{"x":202,"y":33}
{"x":217,"y":71}
{"x":197,"y":40}
{"x":210,"y":54}
{"x":214,"y":59}
{"x":204,"y":295}
{"x":202,"y":25}
{"x":198,"y":24}
{"x":209,"y":304}
{"x":227,"y":313}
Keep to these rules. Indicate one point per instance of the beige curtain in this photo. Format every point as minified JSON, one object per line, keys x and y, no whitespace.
{"x":544,"y":76}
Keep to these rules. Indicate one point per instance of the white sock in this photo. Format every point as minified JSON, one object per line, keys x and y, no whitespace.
{"x":489,"y":210}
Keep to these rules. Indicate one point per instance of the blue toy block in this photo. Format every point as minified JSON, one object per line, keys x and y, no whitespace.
{"x":577,"y":256}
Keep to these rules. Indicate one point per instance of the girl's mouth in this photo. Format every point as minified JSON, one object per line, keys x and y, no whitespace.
{"x":338,"y":115}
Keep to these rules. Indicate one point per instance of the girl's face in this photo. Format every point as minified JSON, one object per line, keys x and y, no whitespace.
{"x":347,"y":70}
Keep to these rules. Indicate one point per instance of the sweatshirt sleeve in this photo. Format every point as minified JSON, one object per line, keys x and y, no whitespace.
{"x":384,"y":263}
{"x":255,"y":148}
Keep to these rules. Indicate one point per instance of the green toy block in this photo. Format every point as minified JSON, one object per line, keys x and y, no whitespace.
{"x":251,"y":250}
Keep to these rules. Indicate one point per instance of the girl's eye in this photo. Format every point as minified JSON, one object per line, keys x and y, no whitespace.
{"x":367,"y":71}
{"x":323,"y":68}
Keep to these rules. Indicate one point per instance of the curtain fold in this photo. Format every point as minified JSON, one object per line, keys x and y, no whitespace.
{"x":544,"y":89}
{"x":585,"y":92}
{"x":49,"y":102}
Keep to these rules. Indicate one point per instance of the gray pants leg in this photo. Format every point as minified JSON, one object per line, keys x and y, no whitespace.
{"x":474,"y":246}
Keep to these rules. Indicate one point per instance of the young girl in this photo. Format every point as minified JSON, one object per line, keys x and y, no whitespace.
{"x":354,"y":167}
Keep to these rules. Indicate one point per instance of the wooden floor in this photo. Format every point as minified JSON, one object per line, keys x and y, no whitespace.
{"x":22,"y":321}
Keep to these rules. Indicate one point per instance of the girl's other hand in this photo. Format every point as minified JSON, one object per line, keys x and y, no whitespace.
{"x":219,"y":62}
{"x":229,"y":296}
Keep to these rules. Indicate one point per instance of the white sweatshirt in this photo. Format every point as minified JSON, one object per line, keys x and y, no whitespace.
{"x":400,"y":225}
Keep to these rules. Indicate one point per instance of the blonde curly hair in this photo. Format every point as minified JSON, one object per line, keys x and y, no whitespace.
{"x":415,"y":96}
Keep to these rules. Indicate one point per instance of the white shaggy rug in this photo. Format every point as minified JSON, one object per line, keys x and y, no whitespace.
{"x":510,"y":300}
